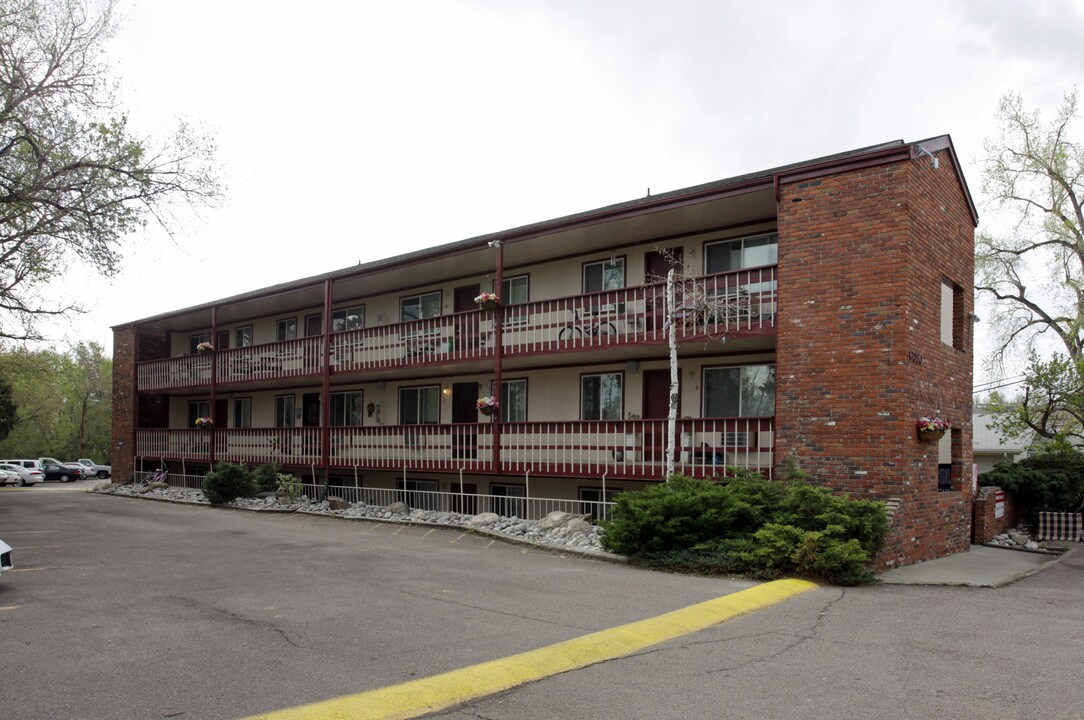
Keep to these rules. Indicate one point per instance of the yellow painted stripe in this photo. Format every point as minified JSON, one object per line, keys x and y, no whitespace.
{"x":10,"y":607}
{"x":428,"y":695}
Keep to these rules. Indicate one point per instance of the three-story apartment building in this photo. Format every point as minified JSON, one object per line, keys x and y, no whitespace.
{"x":822,"y":308}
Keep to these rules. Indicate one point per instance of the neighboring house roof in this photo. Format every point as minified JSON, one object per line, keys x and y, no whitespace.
{"x":986,"y":439}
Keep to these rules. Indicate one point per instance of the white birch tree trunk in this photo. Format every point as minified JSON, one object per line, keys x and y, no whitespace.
{"x":675,"y":385}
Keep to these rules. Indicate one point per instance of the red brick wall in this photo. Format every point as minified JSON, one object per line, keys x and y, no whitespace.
{"x":124,"y":347}
{"x":859,"y":355}
{"x":985,"y":526}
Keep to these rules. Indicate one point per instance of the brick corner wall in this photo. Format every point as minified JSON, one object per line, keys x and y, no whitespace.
{"x":124,"y":399}
{"x":862,"y":255}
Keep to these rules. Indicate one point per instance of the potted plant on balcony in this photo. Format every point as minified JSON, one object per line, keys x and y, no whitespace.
{"x":488,"y":405}
{"x":205,"y":347}
{"x":931,"y":427}
{"x":204,"y":423}
{"x":488,"y":301}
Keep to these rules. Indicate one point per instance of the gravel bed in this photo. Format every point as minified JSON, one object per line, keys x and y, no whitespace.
{"x":558,"y":530}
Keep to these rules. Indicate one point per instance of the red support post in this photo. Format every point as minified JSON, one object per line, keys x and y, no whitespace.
{"x":498,"y":355}
{"x":325,"y":394}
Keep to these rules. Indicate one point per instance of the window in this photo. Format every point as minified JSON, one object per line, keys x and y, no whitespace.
{"x":351,"y":318}
{"x":417,"y":307}
{"x":604,"y":275}
{"x":589,"y":496}
{"x":514,"y":400}
{"x":284,"y":411}
{"x":600,"y":397}
{"x":244,"y":337}
{"x":346,"y":409}
{"x":952,"y":311}
{"x":198,"y":409}
{"x":741,"y":253}
{"x":242,"y":413}
{"x":515,"y":290}
{"x":511,"y":501}
{"x":744,"y":391}
{"x":419,"y":405}
{"x":196,"y":340}
{"x":286,"y":329}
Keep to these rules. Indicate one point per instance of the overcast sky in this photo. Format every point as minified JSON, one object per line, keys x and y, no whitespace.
{"x":353,"y":131}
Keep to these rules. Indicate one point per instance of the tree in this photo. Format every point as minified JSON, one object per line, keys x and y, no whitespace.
{"x":74,"y":181}
{"x":8,"y":408}
{"x":1033,"y":270}
{"x":63,"y":400}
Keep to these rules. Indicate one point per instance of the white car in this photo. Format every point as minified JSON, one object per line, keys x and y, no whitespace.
{"x":5,"y":557}
{"x":9,"y":477}
{"x":29,"y":471}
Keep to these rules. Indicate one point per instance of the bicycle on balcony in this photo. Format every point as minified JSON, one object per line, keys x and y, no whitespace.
{"x":594,"y":326}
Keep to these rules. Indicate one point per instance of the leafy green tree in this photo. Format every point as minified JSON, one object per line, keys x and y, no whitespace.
{"x":64,"y":402}
{"x":8,"y":408}
{"x":74,"y":180}
{"x":1033,"y":270}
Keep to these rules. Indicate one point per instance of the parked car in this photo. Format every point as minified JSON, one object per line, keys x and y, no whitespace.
{"x":9,"y":477}
{"x":5,"y":558}
{"x":63,"y":473}
{"x":29,"y":470}
{"x":93,"y":468}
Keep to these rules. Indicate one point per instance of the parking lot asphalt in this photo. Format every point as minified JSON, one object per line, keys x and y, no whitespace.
{"x":132,"y":609}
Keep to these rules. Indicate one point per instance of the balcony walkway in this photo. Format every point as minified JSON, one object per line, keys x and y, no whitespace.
{"x":619,"y":449}
{"x":738,"y":303}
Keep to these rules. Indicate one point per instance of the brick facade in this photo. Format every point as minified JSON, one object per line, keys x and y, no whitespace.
{"x":862,"y":256}
{"x":124,"y":349}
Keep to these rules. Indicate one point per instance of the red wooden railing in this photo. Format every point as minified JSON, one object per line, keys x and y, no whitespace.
{"x":631,"y":449}
{"x":709,"y":307}
{"x":290,"y":358}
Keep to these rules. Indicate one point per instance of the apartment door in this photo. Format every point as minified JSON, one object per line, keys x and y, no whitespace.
{"x":464,"y":410}
{"x":656,"y":407}
{"x":313,"y":325}
{"x":466,"y":330}
{"x":310,"y":417}
{"x":657,"y":264}
{"x":467,"y":501}
{"x":222,"y":341}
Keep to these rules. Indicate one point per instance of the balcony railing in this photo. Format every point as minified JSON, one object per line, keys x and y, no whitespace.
{"x":630,"y":449}
{"x":709,"y":307}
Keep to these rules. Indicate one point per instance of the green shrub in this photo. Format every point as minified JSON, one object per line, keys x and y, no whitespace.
{"x":749,"y":525}
{"x":266,"y":476}
{"x":290,"y":485}
{"x":228,"y":482}
{"x":1050,"y":481}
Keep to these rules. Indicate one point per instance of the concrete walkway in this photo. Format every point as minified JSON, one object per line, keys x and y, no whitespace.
{"x":981,"y":566}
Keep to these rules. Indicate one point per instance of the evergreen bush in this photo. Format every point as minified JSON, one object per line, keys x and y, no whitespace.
{"x":1052,"y":480}
{"x":749,"y":525}
{"x":266,"y":476}
{"x":227,"y":482}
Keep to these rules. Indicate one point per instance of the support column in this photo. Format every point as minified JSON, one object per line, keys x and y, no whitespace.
{"x":498,"y":332}
{"x":325,"y":395}
{"x":214,"y":386}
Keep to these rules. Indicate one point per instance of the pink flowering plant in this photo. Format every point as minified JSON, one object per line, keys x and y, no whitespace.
{"x":488,"y":300}
{"x":488,"y":402}
{"x":932,"y":424}
{"x":204,"y":423}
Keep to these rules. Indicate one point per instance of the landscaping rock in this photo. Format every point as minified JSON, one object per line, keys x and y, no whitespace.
{"x":484,"y":519}
{"x":399,"y":508}
{"x":555,"y":519}
{"x":334,"y":502}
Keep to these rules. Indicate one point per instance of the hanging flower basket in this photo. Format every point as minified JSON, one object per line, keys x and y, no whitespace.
{"x":205,"y":347}
{"x":488,"y":405}
{"x":488,"y":301}
{"x":205,"y":423}
{"x":932,"y":427}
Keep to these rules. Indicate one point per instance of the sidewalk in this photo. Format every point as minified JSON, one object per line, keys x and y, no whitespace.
{"x":981,"y":566}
